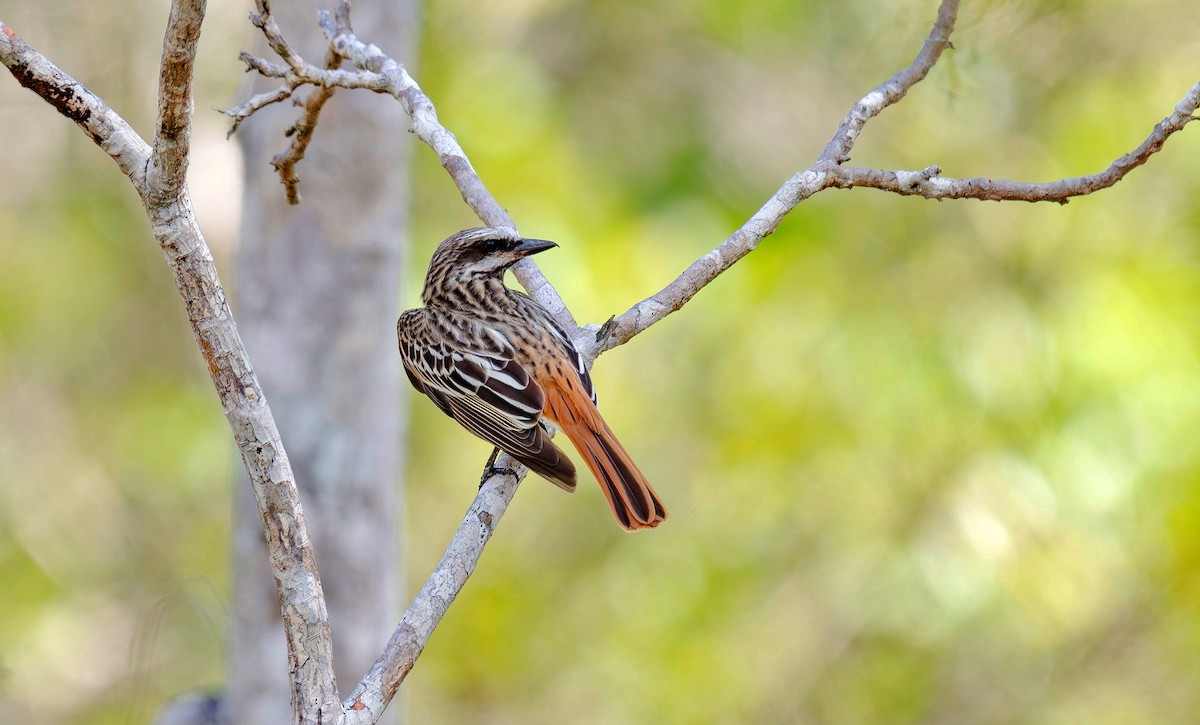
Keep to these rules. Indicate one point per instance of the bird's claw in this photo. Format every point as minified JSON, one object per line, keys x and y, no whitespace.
{"x":491,"y":469}
{"x":495,"y":471}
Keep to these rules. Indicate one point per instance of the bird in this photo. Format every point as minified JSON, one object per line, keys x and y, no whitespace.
{"x":497,"y":362}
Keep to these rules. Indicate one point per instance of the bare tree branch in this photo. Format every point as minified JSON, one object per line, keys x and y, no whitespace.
{"x":265,"y":21}
{"x":930,"y":184}
{"x":380,"y":73}
{"x":252,"y":106}
{"x":173,"y":129}
{"x":829,"y":171}
{"x":704,"y":270}
{"x":893,"y":89}
{"x":369,"y":698}
{"x":301,"y":134}
{"x":158,"y":175}
{"x":174,"y":226}
{"x":101,"y":124}
{"x":817,"y":177}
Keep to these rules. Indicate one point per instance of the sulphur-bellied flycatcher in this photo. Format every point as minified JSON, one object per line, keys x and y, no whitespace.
{"x":495,"y":360}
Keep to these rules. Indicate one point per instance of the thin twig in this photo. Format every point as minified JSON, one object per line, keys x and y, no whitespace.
{"x":264,"y":20}
{"x":930,"y":184}
{"x":817,"y":177}
{"x":301,"y":133}
{"x":837,"y":151}
{"x":675,"y":295}
{"x":256,"y":103}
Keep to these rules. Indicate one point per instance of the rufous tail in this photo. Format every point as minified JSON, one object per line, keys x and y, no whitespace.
{"x":634,"y":503}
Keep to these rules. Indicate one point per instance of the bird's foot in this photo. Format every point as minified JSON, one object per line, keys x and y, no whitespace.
{"x":491,"y":469}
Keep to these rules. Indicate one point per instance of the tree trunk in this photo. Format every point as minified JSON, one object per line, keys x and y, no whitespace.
{"x":317,"y":291}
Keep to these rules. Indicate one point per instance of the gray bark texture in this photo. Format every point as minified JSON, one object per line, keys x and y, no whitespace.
{"x":317,"y":294}
{"x":310,"y":282}
{"x":378,"y":72}
{"x":158,"y":171}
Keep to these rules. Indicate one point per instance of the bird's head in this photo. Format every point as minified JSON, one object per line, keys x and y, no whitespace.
{"x":481,"y":253}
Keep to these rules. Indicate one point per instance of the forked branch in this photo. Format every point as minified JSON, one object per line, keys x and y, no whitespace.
{"x":157,"y":172}
{"x":378,"y":72}
{"x":158,"y":169}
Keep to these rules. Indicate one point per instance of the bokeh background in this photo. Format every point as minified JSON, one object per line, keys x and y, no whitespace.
{"x":926,"y":462}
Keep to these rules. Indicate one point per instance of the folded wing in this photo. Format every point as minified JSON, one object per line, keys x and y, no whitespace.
{"x":471,"y":374}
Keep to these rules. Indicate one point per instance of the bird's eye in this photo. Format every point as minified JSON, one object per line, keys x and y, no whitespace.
{"x":492,"y":246}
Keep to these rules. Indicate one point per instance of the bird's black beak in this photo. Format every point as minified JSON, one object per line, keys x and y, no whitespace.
{"x":532,"y":246}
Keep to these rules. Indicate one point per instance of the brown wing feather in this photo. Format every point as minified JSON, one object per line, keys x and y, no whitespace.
{"x":480,"y":385}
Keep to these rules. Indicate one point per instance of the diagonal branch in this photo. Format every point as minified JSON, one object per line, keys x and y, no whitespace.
{"x":930,"y":184}
{"x":380,"y":73}
{"x":675,"y":295}
{"x":254,"y":105}
{"x":837,"y":151}
{"x":71,"y":99}
{"x":817,"y":177}
{"x":829,"y":171}
{"x":173,"y":222}
{"x":264,"y":20}
{"x":377,"y":688}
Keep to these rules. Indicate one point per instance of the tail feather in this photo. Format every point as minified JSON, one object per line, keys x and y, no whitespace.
{"x":634,"y":503}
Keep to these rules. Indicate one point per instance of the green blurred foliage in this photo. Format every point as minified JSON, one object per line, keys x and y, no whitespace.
{"x":925,"y":462}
